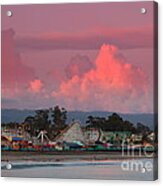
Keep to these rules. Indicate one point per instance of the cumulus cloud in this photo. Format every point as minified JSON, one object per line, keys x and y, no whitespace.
{"x":54,"y":77}
{"x":78,"y":65}
{"x":110,"y":83}
{"x":124,"y":38}
{"x":20,"y":87}
{"x":113,"y":85}
{"x":15,"y":74}
{"x":36,"y":86}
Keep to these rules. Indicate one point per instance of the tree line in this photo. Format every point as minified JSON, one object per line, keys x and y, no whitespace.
{"x":53,"y":120}
{"x":116,"y":123}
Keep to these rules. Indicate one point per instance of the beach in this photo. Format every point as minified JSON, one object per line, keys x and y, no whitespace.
{"x":56,"y":156}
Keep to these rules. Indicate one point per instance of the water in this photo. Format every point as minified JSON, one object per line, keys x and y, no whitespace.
{"x":112,"y":169}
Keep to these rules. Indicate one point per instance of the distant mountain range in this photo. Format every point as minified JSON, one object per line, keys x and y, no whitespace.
{"x":14,"y":115}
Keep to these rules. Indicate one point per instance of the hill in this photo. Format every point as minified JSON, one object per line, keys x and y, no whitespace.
{"x":14,"y":115}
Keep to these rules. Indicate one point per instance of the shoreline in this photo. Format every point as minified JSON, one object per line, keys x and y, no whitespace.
{"x":58,"y":156}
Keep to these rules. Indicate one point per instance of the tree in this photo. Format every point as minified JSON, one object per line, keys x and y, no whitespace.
{"x":112,"y":123}
{"x":89,"y":121}
{"x":128,"y":126}
{"x":115,"y":118}
{"x":59,"y":116}
{"x":29,"y":125}
{"x":42,"y":119}
{"x":143,"y":129}
{"x":96,"y":122}
{"x":33,"y":124}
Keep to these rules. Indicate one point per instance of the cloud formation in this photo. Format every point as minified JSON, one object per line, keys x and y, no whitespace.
{"x":36,"y":86}
{"x":124,"y":38}
{"x":20,"y":88}
{"x":113,"y":85}
{"x":110,"y":83}
{"x":15,"y":74}
{"x":78,"y":65}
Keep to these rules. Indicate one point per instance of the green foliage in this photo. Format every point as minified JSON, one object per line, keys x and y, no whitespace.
{"x":29,"y":125}
{"x":42,"y":119}
{"x":52,"y":120}
{"x":141,"y":128}
{"x":59,"y":116}
{"x":115,"y":123}
{"x":33,"y":124}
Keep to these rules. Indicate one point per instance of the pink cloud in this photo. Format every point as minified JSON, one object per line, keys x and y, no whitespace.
{"x":54,"y":77}
{"x":114,"y":85}
{"x":17,"y":77}
{"x":15,"y":74}
{"x":78,"y":65}
{"x":13,"y":68}
{"x":36,"y":86}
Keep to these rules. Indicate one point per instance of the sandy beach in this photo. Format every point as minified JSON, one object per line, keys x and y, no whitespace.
{"x":66,"y":155}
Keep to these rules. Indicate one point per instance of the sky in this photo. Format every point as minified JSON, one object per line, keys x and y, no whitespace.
{"x":80,"y":56}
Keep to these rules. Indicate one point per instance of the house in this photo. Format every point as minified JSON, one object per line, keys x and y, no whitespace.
{"x":92,"y":135}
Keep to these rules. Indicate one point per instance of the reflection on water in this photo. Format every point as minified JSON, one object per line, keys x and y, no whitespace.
{"x":82,"y":169}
